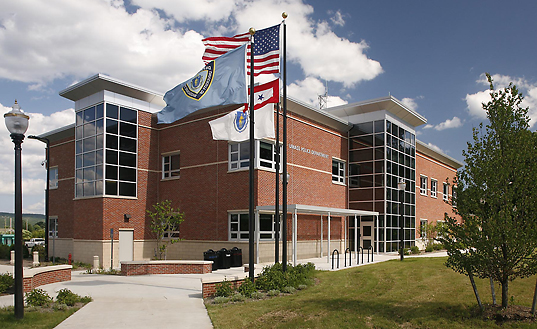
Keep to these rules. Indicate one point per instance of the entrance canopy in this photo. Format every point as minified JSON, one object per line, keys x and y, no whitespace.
{"x":296,"y":209}
{"x":306,"y":209}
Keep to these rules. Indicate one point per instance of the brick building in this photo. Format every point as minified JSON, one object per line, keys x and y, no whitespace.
{"x":344,"y":163}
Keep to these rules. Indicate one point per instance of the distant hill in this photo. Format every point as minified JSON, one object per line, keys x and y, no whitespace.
{"x":31,"y":218}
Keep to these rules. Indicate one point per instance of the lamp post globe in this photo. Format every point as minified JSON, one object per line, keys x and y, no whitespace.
{"x":401,"y":187}
{"x":17,"y":124}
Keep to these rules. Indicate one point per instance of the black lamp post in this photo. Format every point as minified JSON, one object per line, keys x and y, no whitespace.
{"x":401,"y":187}
{"x":47,"y":142}
{"x":17,"y":124}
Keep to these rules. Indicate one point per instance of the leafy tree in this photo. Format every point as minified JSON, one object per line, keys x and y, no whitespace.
{"x":26,"y":235}
{"x":496,"y":197}
{"x":428,"y":233}
{"x":164,"y":220}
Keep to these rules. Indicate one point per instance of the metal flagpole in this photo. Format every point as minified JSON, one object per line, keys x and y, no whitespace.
{"x":284,"y":196}
{"x":277,"y":188}
{"x":251,"y":169}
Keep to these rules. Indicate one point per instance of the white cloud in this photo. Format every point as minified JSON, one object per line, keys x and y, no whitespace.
{"x":428,"y":126}
{"x":337,"y":18}
{"x":410,"y":103}
{"x":449,"y":124}
{"x":436,"y":148}
{"x":308,"y":91}
{"x":474,"y":102}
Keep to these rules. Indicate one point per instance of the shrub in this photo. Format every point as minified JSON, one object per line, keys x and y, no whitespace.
{"x":67,"y":297}
{"x":220,"y":300}
{"x":223,"y":289}
{"x":438,"y":246}
{"x":237,"y":297}
{"x":289,"y":290}
{"x":273,"y":292}
{"x":405,"y":251}
{"x":6,"y":282}
{"x":414,"y":250}
{"x":429,"y":248}
{"x":37,"y":297}
{"x":25,"y":252}
{"x":301,"y":287}
{"x":257,"y":295}
{"x":273,"y":277}
{"x":247,"y":288}
{"x":5,"y":251}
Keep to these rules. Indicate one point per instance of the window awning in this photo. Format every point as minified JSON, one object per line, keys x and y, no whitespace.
{"x":307,"y":209}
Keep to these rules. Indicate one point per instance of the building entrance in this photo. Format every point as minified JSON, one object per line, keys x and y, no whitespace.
{"x":365,"y":235}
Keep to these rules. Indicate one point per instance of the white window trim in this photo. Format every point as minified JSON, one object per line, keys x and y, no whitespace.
{"x":445,"y":196}
{"x":53,"y":182}
{"x":239,"y":232}
{"x":52,"y":219}
{"x":257,"y":159}
{"x":423,"y":191}
{"x":340,"y":177}
{"x":435,"y":190}
{"x":170,"y":172}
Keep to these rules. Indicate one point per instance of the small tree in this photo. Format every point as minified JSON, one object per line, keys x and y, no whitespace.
{"x":164,"y":220}
{"x":428,"y":233}
{"x":496,"y":197}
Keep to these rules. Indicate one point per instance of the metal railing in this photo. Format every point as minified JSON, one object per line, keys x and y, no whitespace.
{"x":350,"y":257}
{"x":333,"y":252}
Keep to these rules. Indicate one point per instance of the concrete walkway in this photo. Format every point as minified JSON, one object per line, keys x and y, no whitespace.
{"x":155,"y":301}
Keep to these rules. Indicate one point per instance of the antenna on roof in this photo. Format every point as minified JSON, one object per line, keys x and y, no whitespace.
{"x":323,"y":99}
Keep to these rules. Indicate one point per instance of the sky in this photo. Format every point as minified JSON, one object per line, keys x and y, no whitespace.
{"x":431,"y":55}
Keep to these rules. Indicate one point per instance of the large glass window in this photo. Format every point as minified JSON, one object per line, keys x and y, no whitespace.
{"x":106,"y":151}
{"x":53,"y":227}
{"x":53,"y":177}
{"x":170,"y":166}
{"x":239,"y":226}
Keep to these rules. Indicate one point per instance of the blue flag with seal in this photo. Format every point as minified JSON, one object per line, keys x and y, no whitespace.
{"x":220,"y":82}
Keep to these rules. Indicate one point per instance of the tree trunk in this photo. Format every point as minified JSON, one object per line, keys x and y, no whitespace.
{"x":471,"y":276}
{"x":534,"y":299}
{"x":493,"y":292}
{"x":505,"y":293}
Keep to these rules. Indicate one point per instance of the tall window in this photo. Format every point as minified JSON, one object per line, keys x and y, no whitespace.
{"x":53,"y":177}
{"x":423,"y":185}
{"x":433,"y":187}
{"x":170,"y":166}
{"x":53,"y":227}
{"x":338,"y":171}
{"x":445,"y":192}
{"x":106,"y":151}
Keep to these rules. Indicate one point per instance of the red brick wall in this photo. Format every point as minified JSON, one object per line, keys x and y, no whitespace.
{"x":40,"y":279}
{"x":167,"y":268}
{"x":428,"y":207}
{"x":209,"y":289}
{"x":62,"y":155}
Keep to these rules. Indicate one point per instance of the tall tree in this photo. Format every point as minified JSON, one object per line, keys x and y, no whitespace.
{"x":496,"y":197}
{"x":165,"y":220}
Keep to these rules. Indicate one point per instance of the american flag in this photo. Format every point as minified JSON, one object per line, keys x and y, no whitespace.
{"x":266,"y":49}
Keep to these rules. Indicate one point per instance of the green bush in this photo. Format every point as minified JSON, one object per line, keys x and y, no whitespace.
{"x":236,"y":297}
{"x":25,"y":251}
{"x":405,"y":251}
{"x":438,"y":246}
{"x":5,"y":251}
{"x":37,"y":297}
{"x":302,"y":286}
{"x":273,"y":277}
{"x":220,"y":300}
{"x":289,"y":290}
{"x":6,"y":282}
{"x":67,"y":297}
{"x":273,"y":293}
{"x":257,"y":295}
{"x":414,"y":250}
{"x":247,"y":288}
{"x":429,"y":248}
{"x":223,"y":289}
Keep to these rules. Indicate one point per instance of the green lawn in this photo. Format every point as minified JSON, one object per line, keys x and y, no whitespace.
{"x":33,"y":319}
{"x":416,"y":293}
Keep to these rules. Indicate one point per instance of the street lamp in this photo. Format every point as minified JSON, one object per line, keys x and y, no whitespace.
{"x":47,"y":142}
{"x":17,"y":124}
{"x":401,"y":187}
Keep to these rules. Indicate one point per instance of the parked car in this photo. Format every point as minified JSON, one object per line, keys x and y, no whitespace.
{"x":34,"y":242}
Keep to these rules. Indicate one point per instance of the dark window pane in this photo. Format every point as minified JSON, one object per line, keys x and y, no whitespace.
{"x":367,"y":140}
{"x":365,"y":181}
{"x":127,"y":159}
{"x":111,"y":157}
{"x":89,"y":114}
{"x":89,"y":159}
{"x":89,"y":129}
{"x":379,"y":180}
{"x":99,"y":111}
{"x":127,"y":115}
{"x":110,"y":188}
{"x":361,"y":195}
{"x":78,"y":147}
{"x":127,"y":144}
{"x":126,"y":129}
{"x":265,"y":222}
{"x":127,"y":174}
{"x":111,"y":126}
{"x":379,"y":140}
{"x":361,"y":155}
{"x":379,"y":126}
{"x":265,"y":151}
{"x":111,"y":112}
{"x":358,"y":144}
{"x":362,"y":128}
{"x":111,"y":141}
{"x":99,"y":124}
{"x":379,"y":167}
{"x":79,"y":161}
{"x":407,"y":136}
{"x":175,"y":161}
{"x":244,"y":222}
{"x":79,"y":118}
{"x":401,"y":133}
{"x":111,"y":172}
{"x":379,"y":153}
{"x":395,"y":129}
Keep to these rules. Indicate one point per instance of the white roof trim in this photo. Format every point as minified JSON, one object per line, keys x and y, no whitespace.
{"x":306,"y":209}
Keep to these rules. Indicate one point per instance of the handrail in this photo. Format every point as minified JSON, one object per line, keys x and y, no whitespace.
{"x":350,"y":257}
{"x":362,"y":249}
{"x":335,"y":251}
{"x":372,"y":253}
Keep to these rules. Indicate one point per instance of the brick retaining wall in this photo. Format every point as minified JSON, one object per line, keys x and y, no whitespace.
{"x":36,"y":277}
{"x":166,"y":267}
{"x":209,"y":288}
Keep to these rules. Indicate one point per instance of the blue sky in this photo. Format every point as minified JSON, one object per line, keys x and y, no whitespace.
{"x":432,"y":55}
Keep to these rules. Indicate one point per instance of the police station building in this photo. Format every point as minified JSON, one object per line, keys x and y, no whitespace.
{"x":115,"y":162}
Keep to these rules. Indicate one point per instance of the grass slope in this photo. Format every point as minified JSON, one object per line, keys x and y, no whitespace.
{"x":416,"y":293}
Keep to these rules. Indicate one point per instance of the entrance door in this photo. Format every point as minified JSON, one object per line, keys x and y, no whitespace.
{"x":126,"y":245}
{"x":366,"y":236}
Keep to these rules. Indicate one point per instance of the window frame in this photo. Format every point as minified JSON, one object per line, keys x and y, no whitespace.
{"x":434,"y":188}
{"x":243,"y":164}
{"x":244,"y":215}
{"x":423,"y":185}
{"x":53,"y":220}
{"x":338,"y":178}
{"x":170,"y":173}
{"x":445,"y":192}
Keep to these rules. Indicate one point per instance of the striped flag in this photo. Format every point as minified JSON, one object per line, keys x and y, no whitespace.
{"x":266,"y":49}
{"x":264,"y":94}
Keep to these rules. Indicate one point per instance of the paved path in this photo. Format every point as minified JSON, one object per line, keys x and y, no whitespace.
{"x":153,"y":301}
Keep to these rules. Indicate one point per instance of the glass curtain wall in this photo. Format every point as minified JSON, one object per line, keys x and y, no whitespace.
{"x":106,"y":137}
{"x":380,"y":154}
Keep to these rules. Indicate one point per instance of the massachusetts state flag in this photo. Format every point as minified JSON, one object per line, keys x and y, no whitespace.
{"x":266,"y":49}
{"x":220,"y":82}
{"x":234,"y":126}
{"x":265,"y":94}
